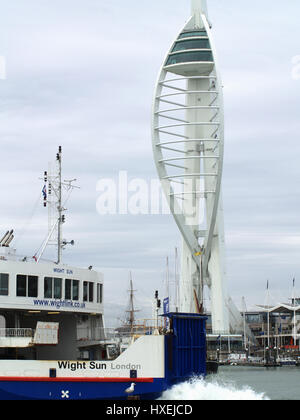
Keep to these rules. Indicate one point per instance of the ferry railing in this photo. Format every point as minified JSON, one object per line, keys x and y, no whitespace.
{"x":16,"y":333}
{"x":141,"y":327}
{"x":11,"y":256}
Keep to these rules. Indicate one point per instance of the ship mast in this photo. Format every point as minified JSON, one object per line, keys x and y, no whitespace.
{"x":59,"y":208}
{"x":53,"y":198}
{"x":131,"y":311}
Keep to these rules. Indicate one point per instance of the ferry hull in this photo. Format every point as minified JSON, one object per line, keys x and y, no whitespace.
{"x":154,"y":363}
{"x":79,"y":390}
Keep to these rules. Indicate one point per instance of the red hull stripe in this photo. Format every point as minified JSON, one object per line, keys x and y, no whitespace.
{"x":71,"y":379}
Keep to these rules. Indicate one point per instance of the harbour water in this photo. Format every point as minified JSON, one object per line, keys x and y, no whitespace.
{"x":241,"y":383}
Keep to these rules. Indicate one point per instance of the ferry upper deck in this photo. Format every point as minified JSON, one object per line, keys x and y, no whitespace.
{"x":39,"y":296}
{"x":47,"y":286}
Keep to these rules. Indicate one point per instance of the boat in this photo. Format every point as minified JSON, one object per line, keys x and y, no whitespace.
{"x":53,"y":340}
{"x":287,"y":361}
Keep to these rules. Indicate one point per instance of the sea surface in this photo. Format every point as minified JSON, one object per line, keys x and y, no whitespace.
{"x":241,"y":383}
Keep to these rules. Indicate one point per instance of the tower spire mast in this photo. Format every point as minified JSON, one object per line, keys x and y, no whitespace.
{"x":199,"y":6}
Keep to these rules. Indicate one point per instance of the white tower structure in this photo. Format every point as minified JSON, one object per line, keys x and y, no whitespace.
{"x":188,"y":142}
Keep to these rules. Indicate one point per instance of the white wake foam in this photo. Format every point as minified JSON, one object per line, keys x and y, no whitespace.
{"x":201,"y":389}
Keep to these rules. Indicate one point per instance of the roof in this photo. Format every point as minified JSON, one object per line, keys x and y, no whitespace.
{"x":281,"y":307}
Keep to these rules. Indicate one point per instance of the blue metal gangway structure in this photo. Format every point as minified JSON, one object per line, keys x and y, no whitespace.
{"x":185,"y":347}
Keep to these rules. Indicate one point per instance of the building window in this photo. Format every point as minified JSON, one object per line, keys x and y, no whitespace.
{"x":52,"y":287}
{"x":72,"y":289}
{"x":253,"y":318}
{"x":3,"y":284}
{"x":27,"y":286}
{"x":99,"y":292}
{"x":88,"y":291}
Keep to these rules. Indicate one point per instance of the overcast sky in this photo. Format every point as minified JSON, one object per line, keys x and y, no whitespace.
{"x":81,"y":74}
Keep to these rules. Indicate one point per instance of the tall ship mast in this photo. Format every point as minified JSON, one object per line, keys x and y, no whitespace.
{"x":131,"y":311}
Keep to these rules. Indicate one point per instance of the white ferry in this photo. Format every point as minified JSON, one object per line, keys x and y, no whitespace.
{"x":53,"y":341}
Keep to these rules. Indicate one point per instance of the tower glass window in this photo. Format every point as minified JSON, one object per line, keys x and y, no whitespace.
{"x":190,"y":34}
{"x":186,"y":57}
{"x":191,"y":44}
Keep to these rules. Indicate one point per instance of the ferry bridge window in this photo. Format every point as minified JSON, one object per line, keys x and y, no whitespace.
{"x":48,"y":287}
{"x":68,"y":286}
{"x":3,"y":284}
{"x":57,"y":288}
{"x":85,"y":291}
{"x":72,"y":289}
{"x":27,"y":286}
{"x":91,"y":292}
{"x":52,"y":287}
{"x":32,"y":286}
{"x":75,"y":289}
{"x":21,"y":285}
{"x":88,"y":291}
{"x":99,"y":292}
